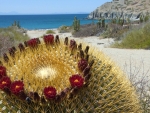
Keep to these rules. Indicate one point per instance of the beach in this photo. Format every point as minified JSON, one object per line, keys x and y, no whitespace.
{"x":134,"y":62}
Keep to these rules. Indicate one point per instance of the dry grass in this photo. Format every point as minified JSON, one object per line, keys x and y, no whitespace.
{"x":115,"y":31}
{"x":65,"y":29}
{"x":5,"y":44}
{"x":10,"y":37}
{"x":140,"y":79}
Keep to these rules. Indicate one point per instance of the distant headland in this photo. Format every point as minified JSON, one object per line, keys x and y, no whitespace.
{"x":131,"y":9}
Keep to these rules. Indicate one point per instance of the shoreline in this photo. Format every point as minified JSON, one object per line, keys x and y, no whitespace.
{"x":38,"y":32}
{"x":40,"y":29}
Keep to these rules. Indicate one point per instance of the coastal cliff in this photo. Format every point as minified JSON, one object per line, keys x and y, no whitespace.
{"x":132,"y":9}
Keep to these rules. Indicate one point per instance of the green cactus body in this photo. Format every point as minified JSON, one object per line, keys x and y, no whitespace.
{"x":141,"y":19}
{"x":99,"y":23}
{"x":76,"y":24}
{"x":103,"y":22}
{"x":120,"y":21}
{"x":103,"y":89}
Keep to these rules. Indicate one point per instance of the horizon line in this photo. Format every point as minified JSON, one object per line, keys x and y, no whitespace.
{"x":46,"y":14}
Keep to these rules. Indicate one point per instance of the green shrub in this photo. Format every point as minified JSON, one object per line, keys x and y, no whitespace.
{"x":136,"y":39}
{"x":64,"y":29}
{"x":88,"y":30}
{"x":14,"y":33}
{"x":114,"y":31}
{"x":50,"y":32}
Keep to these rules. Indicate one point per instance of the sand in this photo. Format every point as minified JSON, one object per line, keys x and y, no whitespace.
{"x":134,"y":62}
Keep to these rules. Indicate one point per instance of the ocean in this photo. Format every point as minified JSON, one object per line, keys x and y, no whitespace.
{"x":32,"y":22}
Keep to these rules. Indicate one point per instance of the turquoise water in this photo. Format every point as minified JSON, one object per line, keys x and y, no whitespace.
{"x":42,"y":21}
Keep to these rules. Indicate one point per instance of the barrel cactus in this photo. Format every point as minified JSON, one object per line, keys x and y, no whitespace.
{"x":63,"y":76}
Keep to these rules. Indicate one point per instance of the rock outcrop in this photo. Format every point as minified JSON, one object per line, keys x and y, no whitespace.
{"x":132,"y":9}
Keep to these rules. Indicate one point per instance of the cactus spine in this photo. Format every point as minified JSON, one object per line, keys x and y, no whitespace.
{"x":52,"y":62}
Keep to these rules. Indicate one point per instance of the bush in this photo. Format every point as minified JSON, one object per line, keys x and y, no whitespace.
{"x":10,"y":37}
{"x":141,"y":83}
{"x":64,"y":29}
{"x":50,"y":32}
{"x":136,"y":39}
{"x":88,"y":30}
{"x":115,"y":31}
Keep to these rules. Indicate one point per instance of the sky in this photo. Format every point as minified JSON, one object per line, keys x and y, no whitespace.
{"x":49,"y":6}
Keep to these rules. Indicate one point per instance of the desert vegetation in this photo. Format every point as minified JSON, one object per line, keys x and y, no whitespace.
{"x":88,"y":30}
{"x":50,"y":31}
{"x":141,"y":84}
{"x":137,"y":37}
{"x":11,"y":36}
{"x":78,"y":30}
{"x":114,"y":31}
{"x":64,"y":29}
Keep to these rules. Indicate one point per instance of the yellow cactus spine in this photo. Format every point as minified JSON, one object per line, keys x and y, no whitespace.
{"x":63,"y":76}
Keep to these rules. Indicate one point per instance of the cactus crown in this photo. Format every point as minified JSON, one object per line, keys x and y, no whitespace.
{"x":60,"y":76}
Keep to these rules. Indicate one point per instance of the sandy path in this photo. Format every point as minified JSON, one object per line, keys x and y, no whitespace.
{"x":35,"y":33}
{"x":131,"y":61}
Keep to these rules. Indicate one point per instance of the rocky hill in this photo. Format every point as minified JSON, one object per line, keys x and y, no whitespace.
{"x":132,"y":9}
